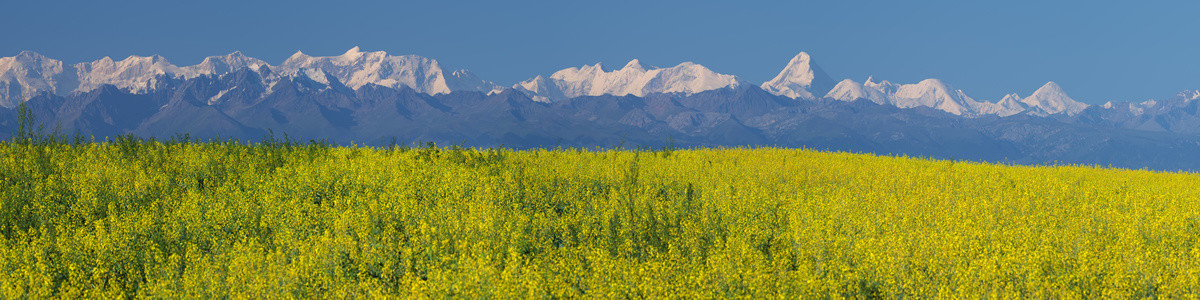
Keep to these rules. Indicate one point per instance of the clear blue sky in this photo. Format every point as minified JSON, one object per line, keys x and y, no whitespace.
{"x":1096,"y":50}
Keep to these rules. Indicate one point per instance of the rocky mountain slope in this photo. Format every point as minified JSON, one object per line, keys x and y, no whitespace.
{"x":372,"y":97}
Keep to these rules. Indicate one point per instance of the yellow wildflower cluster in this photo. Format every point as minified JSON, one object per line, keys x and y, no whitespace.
{"x":213,"y":220}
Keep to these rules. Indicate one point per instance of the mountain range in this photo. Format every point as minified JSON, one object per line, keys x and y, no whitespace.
{"x":370,"y":97}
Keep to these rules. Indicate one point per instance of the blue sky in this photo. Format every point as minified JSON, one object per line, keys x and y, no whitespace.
{"x":1097,"y":50}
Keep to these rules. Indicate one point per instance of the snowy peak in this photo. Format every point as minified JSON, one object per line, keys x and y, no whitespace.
{"x":1010,"y":105}
{"x":1188,"y":96}
{"x":849,"y":90}
{"x":217,"y":65}
{"x":936,"y":94}
{"x":356,"y":52}
{"x":540,"y":89}
{"x":932,"y":93}
{"x":1007,"y":106}
{"x":28,"y":64}
{"x":137,"y":74}
{"x":884,"y":86}
{"x":28,"y":74}
{"x":632,"y":79}
{"x":1047,"y":100}
{"x":1011,"y":99}
{"x":687,"y":78}
{"x":27,"y":56}
{"x":634,"y":65}
{"x":464,"y":80}
{"x":316,"y":80}
{"x":1051,"y":99}
{"x":357,"y":68}
{"x":800,"y":79}
{"x":297,"y":57}
{"x":1049,"y":90}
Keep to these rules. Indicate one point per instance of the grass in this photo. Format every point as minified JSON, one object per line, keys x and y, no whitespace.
{"x":143,"y":218}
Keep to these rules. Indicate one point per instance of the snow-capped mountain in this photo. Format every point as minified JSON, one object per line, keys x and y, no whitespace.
{"x":1154,"y":107}
{"x":1009,"y":105}
{"x":134,"y":73}
{"x":632,"y":79}
{"x":1181,"y":99}
{"x":1134,"y":108}
{"x":1051,"y":99}
{"x":1048,"y":100}
{"x":850,"y":90}
{"x":801,"y":79}
{"x":931,"y":93}
{"x":314,"y":105}
{"x":541,"y":89}
{"x":464,"y":80}
{"x":218,"y":65}
{"x":1189,"y":95}
{"x":372,"y":96}
{"x":28,"y":74}
{"x":140,"y":74}
{"x":356,"y":68}
{"x":936,"y":94}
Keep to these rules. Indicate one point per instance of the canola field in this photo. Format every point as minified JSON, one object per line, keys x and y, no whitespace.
{"x":150,"y":219}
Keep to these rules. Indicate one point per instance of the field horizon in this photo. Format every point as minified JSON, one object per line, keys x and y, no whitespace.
{"x":153,"y":219}
{"x":599,"y":150}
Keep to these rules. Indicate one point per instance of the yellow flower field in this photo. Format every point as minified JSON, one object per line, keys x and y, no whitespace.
{"x":151,"y":219}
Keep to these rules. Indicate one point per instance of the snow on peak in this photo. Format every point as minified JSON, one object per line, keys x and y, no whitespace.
{"x":540,"y":89}
{"x":357,"y":68}
{"x":317,"y":75}
{"x":849,"y":90}
{"x":1189,"y":95}
{"x":1012,"y":101}
{"x":28,"y":74}
{"x":1136,"y":108}
{"x":35,"y":73}
{"x":800,"y":79}
{"x":1051,"y":99}
{"x":1179,"y":100}
{"x":464,"y":80}
{"x":596,"y":68}
{"x":298,"y":56}
{"x":1011,"y":98}
{"x":933,"y":93}
{"x":218,"y":65}
{"x":1050,"y":88}
{"x":632,"y":79}
{"x":136,"y":74}
{"x":29,"y":56}
{"x":1007,"y":106}
{"x":634,"y":64}
{"x":936,"y":94}
{"x":885,"y":86}
{"x":356,"y":53}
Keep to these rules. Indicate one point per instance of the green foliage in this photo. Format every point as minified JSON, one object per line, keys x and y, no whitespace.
{"x":180,"y":218}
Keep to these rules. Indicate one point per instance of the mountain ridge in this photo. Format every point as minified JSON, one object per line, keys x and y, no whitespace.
{"x":742,"y":116}
{"x":687,"y":104}
{"x":28,"y":74}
